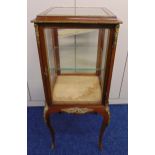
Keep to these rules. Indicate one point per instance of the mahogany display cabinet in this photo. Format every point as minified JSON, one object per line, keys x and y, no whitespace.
{"x":76,"y":49}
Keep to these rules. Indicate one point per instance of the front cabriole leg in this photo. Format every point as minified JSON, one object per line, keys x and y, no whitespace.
{"x":106,"y":118}
{"x":49,"y":125}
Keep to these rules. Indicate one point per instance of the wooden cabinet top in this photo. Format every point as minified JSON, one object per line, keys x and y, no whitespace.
{"x":77,"y":15}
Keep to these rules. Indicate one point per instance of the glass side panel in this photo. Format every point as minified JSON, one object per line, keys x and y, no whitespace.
{"x":104,"y":55}
{"x":78,"y":11}
{"x":50,"y":53}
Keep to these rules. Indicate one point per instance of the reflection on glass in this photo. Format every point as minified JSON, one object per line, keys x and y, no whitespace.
{"x":50,"y":52}
{"x":66,"y":50}
{"x":86,"y":50}
{"x":104,"y":54}
{"x":78,"y":49}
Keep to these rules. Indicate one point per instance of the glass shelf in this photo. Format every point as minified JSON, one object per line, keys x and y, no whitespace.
{"x":77,"y":69}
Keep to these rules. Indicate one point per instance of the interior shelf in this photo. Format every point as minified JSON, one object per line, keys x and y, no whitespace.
{"x":72,"y":69}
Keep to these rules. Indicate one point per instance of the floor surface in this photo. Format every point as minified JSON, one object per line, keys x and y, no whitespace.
{"x":78,"y":134}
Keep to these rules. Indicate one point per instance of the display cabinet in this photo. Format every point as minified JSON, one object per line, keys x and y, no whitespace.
{"x":76,"y":49}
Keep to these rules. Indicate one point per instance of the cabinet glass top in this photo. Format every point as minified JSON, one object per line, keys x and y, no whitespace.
{"x":78,"y":11}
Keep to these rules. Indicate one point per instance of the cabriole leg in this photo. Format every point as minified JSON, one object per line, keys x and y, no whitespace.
{"x":49,"y":125}
{"x":106,"y":116}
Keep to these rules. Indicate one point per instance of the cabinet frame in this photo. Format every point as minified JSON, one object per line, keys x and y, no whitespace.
{"x":67,"y":22}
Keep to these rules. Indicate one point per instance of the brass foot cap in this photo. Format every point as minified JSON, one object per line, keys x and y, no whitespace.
{"x":100,"y":147}
{"x":52,"y":146}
